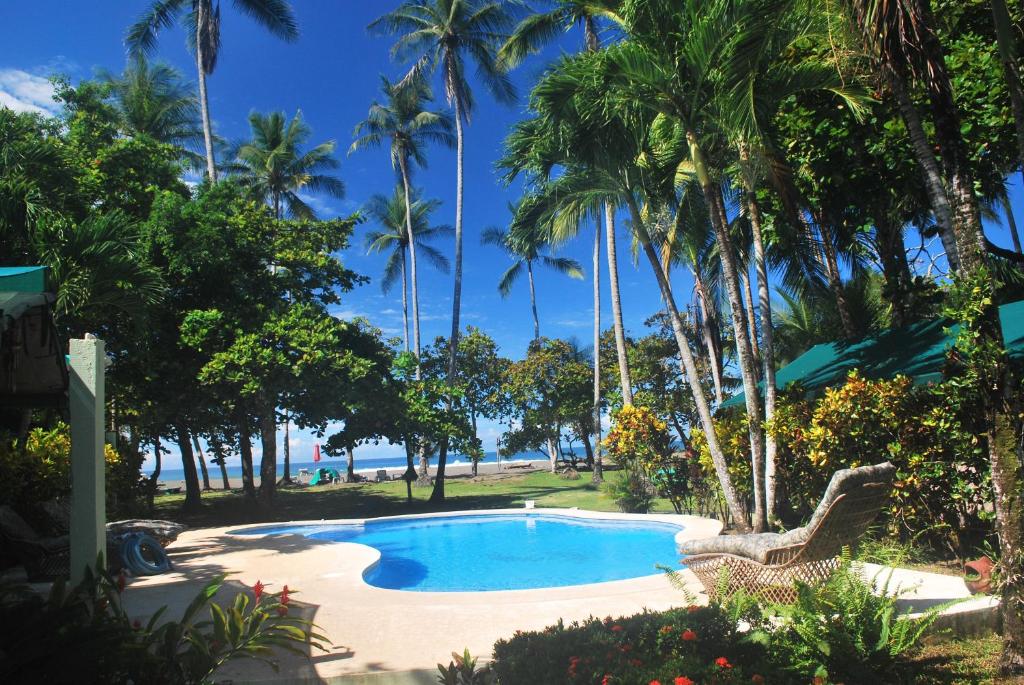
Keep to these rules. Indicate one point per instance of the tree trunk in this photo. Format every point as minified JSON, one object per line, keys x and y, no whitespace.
{"x":929,"y":167}
{"x":598,"y":466}
{"x":553,"y":454}
{"x":154,"y":478}
{"x":412,"y":265}
{"x":453,"y":341}
{"x":708,"y":333}
{"x":218,"y":449}
{"x":245,"y":450}
{"x":748,"y":302}
{"x":767,"y":339}
{"x":202,"y":463}
{"x":895,"y":270}
{"x":533,"y":300}
{"x":405,"y":303}
{"x":410,"y":468}
{"x":474,"y":459}
{"x":835,"y":281}
{"x":690,"y":371}
{"x":268,"y":462}
{"x":1008,"y":53}
{"x":287,"y":445}
{"x":423,"y":477}
{"x":350,"y":469}
{"x":1011,"y":222}
{"x":202,"y":9}
{"x":188,"y":464}
{"x":625,"y":382}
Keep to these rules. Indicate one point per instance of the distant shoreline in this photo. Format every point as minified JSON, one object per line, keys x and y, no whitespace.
{"x":484,"y":469}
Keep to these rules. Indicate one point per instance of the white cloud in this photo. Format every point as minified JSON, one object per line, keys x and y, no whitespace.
{"x":25,"y":92}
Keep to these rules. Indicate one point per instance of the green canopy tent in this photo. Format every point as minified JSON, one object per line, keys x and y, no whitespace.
{"x":918,"y":350}
{"x":33,"y":369}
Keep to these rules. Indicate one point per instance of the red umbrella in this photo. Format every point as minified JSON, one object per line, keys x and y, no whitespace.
{"x":316,"y":453}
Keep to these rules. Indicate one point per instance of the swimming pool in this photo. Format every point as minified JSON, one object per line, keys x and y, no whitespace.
{"x":501,"y":551}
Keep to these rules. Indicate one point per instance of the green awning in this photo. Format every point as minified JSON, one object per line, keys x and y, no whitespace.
{"x":23,"y":279}
{"x":918,"y":351}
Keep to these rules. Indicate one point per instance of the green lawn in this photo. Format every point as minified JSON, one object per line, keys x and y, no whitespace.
{"x":364,"y":500}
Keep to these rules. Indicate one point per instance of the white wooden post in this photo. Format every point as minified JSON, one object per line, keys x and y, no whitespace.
{"x":88,"y":486}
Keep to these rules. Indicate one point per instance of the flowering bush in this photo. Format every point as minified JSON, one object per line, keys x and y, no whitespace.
{"x":637,"y":434}
{"x":677,"y":647}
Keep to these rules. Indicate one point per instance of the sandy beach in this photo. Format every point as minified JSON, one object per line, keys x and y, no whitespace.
{"x":451,"y":470}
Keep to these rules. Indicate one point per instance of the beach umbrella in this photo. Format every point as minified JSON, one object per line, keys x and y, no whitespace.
{"x":316,"y":453}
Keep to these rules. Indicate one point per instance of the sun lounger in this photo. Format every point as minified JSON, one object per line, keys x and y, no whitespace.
{"x":769,"y":564}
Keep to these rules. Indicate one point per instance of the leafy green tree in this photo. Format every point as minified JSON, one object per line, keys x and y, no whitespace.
{"x":275,"y":167}
{"x":525,"y":250}
{"x":409,"y":126}
{"x":200,"y":19}
{"x":443,"y":34}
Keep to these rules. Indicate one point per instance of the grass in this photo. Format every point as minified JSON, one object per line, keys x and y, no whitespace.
{"x":973,"y":661}
{"x":365,"y":500}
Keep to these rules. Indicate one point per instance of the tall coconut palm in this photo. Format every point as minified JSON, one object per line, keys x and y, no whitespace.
{"x":392,"y":214}
{"x":444,"y":35}
{"x":275,"y":167}
{"x":902,"y":33}
{"x":152,"y":100}
{"x":530,"y":36}
{"x":1007,"y":41}
{"x":200,"y":20}
{"x":404,"y":121}
{"x":525,"y":251}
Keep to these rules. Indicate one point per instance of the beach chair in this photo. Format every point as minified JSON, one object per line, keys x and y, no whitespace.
{"x":43,"y":558}
{"x":769,"y":564}
{"x":382,"y":475}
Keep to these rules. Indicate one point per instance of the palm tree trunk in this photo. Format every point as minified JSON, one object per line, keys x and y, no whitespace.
{"x":403,"y":164}
{"x":1011,"y":222}
{"x":202,"y":10}
{"x":154,"y":478}
{"x":350,"y":468}
{"x":453,"y":341}
{"x":202,"y":463}
{"x":287,"y":445}
{"x":268,"y":462}
{"x":748,"y":371}
{"x":733,"y":502}
{"x":768,"y":340}
{"x":625,"y":382}
{"x":1008,"y":52}
{"x":598,"y":473}
{"x":533,"y":300}
{"x":835,"y":281}
{"x":188,"y":463}
{"x":405,"y":303}
{"x":748,"y":302}
{"x":714,"y":358}
{"x":929,"y":167}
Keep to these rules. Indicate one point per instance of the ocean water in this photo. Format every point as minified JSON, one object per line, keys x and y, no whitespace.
{"x":367,"y":465}
{"x":502,"y":551}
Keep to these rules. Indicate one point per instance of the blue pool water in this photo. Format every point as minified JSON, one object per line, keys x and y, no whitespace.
{"x":501,"y":551}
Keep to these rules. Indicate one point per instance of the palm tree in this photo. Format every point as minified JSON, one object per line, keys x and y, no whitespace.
{"x":404,"y":121}
{"x":275,"y":168}
{"x":1007,"y":41}
{"x":391,"y":213}
{"x":525,"y":251}
{"x":902,"y":34}
{"x":442,"y":34}
{"x":152,"y":100}
{"x":201,"y":21}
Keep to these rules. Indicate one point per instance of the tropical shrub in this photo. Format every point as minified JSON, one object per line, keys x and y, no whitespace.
{"x":631,"y":490}
{"x":734,"y":439}
{"x":639,"y":442}
{"x":96,"y":641}
{"x":930,"y":433}
{"x":846,"y":630}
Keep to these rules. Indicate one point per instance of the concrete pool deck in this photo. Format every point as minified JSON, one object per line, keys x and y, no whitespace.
{"x":395,"y":636}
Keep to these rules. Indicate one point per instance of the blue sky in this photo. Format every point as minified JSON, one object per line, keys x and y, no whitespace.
{"x":332,"y":74}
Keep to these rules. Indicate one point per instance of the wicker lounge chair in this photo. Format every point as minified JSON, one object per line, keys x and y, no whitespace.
{"x":43,"y":558}
{"x":768,"y":564}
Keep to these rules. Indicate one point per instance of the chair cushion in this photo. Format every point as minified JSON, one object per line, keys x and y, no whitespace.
{"x":757,"y":545}
{"x":13,"y":527}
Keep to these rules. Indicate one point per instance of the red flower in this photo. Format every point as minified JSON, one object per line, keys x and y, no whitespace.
{"x":616,"y":628}
{"x":607,"y":679}
{"x":722,"y":662}
{"x":682,"y":680}
{"x":284,"y":596}
{"x":692,"y":608}
{"x":655,"y":682}
{"x":689,"y":635}
{"x":282,"y":610}
{"x":757,"y":679}
{"x":121,"y":580}
{"x":257,"y":590}
{"x":625,"y":648}
{"x":137,"y":624}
